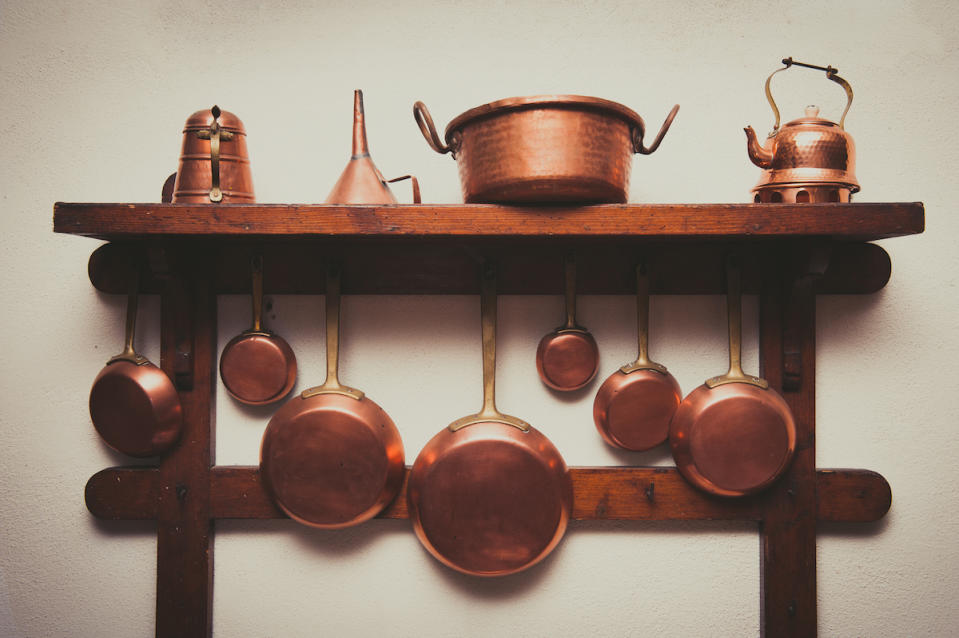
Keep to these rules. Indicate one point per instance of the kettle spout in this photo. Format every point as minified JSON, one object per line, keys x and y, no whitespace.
{"x":760,"y":156}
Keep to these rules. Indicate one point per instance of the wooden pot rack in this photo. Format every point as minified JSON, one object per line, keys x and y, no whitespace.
{"x":789,"y":254}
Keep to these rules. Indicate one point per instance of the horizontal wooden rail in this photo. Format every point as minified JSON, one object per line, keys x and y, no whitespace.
{"x":609,"y":493}
{"x":525,"y":267}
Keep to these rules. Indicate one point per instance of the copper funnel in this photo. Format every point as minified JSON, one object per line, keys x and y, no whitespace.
{"x":214,"y":164}
{"x":361,"y":182}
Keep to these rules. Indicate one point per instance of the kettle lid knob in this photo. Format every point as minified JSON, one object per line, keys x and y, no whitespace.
{"x":812,"y":111}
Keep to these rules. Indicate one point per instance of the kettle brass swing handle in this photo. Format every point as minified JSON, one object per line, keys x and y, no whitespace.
{"x":830,"y":75}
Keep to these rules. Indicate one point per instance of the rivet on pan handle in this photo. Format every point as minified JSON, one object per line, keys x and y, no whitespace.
{"x":215,"y":134}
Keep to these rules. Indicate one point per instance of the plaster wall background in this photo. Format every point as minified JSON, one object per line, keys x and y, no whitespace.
{"x":93,"y":99}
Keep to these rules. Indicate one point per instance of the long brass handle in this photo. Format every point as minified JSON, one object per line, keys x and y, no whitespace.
{"x":215,"y":134}
{"x":734,"y":308}
{"x":133,"y":293}
{"x":642,"y":362}
{"x":256,"y":267}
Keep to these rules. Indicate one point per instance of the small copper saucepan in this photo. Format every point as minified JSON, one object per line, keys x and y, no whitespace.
{"x":258,"y":367}
{"x":733,"y":435}
{"x":489,"y":495}
{"x":567,"y":358}
{"x":133,"y":404}
{"x":331,"y":457}
{"x":634,"y":405}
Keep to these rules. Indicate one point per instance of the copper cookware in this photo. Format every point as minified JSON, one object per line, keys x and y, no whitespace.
{"x":733,"y":435}
{"x":133,"y":404}
{"x":489,"y":495}
{"x":214,"y":163}
{"x":633,"y":407}
{"x":567,"y":358}
{"x":545,"y":148}
{"x":257,"y":366}
{"x":331,"y":457}
{"x":361,"y":182}
{"x":809,"y":159}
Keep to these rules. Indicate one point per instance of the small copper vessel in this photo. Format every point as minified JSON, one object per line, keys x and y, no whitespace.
{"x":543,"y":149}
{"x":361,"y":182}
{"x":810,"y":159}
{"x":567,"y":358}
{"x":214,"y":163}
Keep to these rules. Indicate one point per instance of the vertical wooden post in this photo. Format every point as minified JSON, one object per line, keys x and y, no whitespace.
{"x":788,"y":527}
{"x":184,"y":524}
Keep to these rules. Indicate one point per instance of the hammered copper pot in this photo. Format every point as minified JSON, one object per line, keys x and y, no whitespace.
{"x":214,"y":164}
{"x":543,"y":149}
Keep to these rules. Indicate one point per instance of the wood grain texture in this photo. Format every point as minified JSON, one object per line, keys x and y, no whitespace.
{"x":866,"y":221}
{"x":606,"y":493}
{"x":184,"y":603}
{"x":527,"y":267}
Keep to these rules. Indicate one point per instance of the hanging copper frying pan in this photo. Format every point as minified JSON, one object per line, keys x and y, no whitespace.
{"x":331,"y":457}
{"x":258,"y":367}
{"x":733,"y":435}
{"x":567,"y":358}
{"x":634,"y":405}
{"x":489,"y":495}
{"x":133,"y":404}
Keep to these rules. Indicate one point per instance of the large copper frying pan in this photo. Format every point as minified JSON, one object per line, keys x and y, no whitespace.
{"x":567,"y":358}
{"x":133,"y":404}
{"x":489,"y":495}
{"x":258,"y":367}
{"x":633,"y":407}
{"x":733,"y":435}
{"x":331,"y":457}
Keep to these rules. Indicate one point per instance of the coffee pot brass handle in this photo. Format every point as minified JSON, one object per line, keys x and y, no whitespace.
{"x":830,"y":75}
{"x":215,"y":134}
{"x":640,"y":131}
{"x":425,"y":121}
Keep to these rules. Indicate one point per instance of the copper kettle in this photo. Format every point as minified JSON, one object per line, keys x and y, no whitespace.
{"x":810,"y":159}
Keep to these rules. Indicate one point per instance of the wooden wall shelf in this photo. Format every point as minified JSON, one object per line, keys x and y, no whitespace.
{"x":789,"y":253}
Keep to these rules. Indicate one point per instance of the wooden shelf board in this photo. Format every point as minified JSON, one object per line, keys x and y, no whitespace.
{"x":607,"y":493}
{"x":859,"y":221}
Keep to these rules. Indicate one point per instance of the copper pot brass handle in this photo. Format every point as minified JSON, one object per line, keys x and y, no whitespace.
{"x":640,"y":131}
{"x":215,"y":134}
{"x":735,"y":311}
{"x":425,"y":121}
{"x":416,"y":186}
{"x":830,"y":75}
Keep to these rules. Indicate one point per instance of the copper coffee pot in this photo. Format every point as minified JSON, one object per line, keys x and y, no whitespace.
{"x":361,"y":182}
{"x":809,"y":159}
{"x":214,"y":163}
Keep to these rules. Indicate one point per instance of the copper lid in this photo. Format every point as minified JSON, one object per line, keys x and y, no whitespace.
{"x":540,"y":101}
{"x":203,"y":119}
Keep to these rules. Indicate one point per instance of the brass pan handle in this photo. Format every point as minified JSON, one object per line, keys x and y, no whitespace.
{"x":425,"y":121}
{"x":640,"y":131}
{"x":416,"y":186}
{"x":215,"y":134}
{"x":830,"y":75}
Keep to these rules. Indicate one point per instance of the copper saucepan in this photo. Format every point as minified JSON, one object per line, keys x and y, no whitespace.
{"x":633,"y":407}
{"x":567,"y":358}
{"x":733,"y":435}
{"x":133,"y":404}
{"x":331,"y":457}
{"x":544,"y":148}
{"x":489,"y":495}
{"x":258,"y":367}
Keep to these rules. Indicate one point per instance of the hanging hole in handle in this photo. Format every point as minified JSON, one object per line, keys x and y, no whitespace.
{"x":425,"y":121}
{"x":640,"y":131}
{"x":416,"y":186}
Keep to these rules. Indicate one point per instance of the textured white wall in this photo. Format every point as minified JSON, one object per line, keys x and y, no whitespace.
{"x":93,"y":101}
